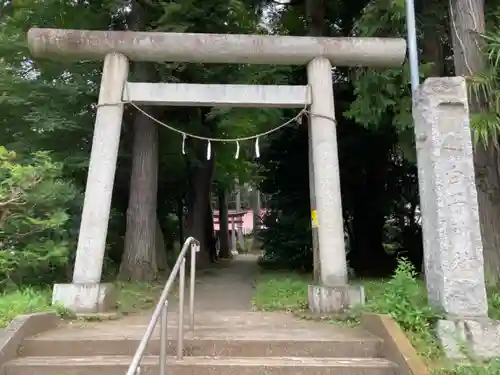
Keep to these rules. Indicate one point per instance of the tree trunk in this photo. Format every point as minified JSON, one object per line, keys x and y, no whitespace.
{"x":488,"y":185}
{"x":467,"y":24}
{"x":256,"y":215}
{"x":315,"y":11}
{"x":241,"y":238}
{"x":138,"y":262}
{"x":210,"y":238}
{"x":140,"y":238}
{"x":434,"y":32}
{"x":180,"y":216}
{"x":432,"y":42}
{"x":224,"y":251}
{"x":161,"y":251}
{"x":367,"y":255}
{"x":197,"y":213}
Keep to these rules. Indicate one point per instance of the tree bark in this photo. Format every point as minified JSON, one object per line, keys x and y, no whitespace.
{"x":467,"y":24}
{"x":140,"y":238}
{"x":433,"y":40}
{"x":224,"y":251}
{"x":180,"y":216}
{"x":210,"y":238}
{"x":197,"y":213}
{"x":367,"y":255}
{"x":315,"y":11}
{"x":241,"y":238}
{"x":256,"y":214}
{"x":161,"y":251}
{"x":139,"y":261}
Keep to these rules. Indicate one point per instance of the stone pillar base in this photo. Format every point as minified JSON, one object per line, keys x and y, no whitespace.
{"x":327,"y":299}
{"x":469,"y":338}
{"x":85,"y":298}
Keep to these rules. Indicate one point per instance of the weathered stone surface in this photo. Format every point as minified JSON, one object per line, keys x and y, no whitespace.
{"x":85,"y":298}
{"x":212,"y":95}
{"x":216,"y":48}
{"x":101,"y":173}
{"x":118,"y":365}
{"x":470,"y":339}
{"x":453,"y":252}
{"x":324,"y":299}
{"x":326,"y":174}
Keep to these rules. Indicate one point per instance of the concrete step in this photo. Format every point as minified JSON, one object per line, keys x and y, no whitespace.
{"x":240,"y":334}
{"x":206,"y":346}
{"x":117,"y":365}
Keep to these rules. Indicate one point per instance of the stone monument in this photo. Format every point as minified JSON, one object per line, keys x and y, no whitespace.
{"x":453,"y":252}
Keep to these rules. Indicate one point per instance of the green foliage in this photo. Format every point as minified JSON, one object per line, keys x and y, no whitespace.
{"x":490,"y":368}
{"x":286,"y":244}
{"x":23,"y":301}
{"x":381,"y":92}
{"x":494,"y":302}
{"x":287,"y":239}
{"x":403,"y":297}
{"x":485,"y":87}
{"x":132,"y":297}
{"x":34,"y":202}
{"x":392,"y":97}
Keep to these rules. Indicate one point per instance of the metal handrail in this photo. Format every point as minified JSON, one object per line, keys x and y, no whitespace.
{"x":162,"y":310}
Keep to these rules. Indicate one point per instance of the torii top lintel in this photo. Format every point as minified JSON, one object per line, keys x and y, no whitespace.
{"x":216,"y":48}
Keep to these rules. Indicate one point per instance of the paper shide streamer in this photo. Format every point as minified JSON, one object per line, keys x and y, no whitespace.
{"x":237,"y":155}
{"x":209,"y":148}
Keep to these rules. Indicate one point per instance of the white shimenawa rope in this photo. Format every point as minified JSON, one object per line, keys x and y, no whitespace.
{"x":297,"y":118}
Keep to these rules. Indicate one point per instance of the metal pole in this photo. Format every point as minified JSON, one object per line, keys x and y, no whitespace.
{"x":412,"y":45}
{"x":136,"y":359}
{"x":192,"y":280}
{"x":163,"y":339}
{"x":180,"y":327}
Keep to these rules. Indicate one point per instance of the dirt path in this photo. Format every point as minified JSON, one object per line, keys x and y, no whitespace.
{"x":228,"y":288}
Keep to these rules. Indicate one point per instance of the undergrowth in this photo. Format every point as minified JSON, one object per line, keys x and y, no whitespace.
{"x":403,"y":297}
{"x":281,"y":291}
{"x":131,"y":297}
{"x":23,"y":301}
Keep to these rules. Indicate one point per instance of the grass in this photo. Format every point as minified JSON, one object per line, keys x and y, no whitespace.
{"x":281,"y":291}
{"x":132,"y":297}
{"x":23,"y":301}
{"x":287,"y":291}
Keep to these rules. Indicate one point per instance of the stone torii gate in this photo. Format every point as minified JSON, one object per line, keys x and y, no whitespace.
{"x":87,"y":293}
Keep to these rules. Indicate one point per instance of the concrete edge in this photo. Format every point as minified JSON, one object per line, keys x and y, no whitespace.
{"x":21,"y":327}
{"x":396,"y":347}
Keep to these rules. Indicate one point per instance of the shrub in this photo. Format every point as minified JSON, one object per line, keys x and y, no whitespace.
{"x":403,"y":297}
{"x":286,"y":244}
{"x":34,"y":238}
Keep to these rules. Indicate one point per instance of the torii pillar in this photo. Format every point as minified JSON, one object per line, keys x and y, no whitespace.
{"x":86,"y":293}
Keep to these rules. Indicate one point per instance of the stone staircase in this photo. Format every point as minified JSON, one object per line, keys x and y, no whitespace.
{"x":225,"y":343}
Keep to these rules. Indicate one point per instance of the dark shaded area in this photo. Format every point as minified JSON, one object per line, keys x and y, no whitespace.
{"x":379,"y":198}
